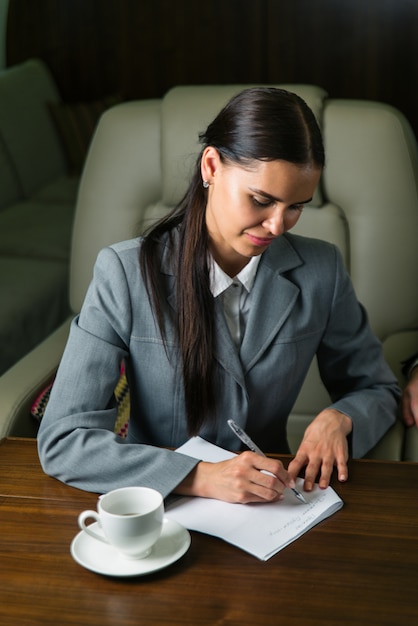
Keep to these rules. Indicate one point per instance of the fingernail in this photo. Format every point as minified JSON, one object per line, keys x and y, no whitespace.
{"x":292,"y":484}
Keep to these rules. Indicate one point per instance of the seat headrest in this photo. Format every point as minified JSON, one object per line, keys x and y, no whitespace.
{"x":187,"y":111}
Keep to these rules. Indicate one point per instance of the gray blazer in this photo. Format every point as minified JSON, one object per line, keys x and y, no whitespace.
{"x":302,"y":305}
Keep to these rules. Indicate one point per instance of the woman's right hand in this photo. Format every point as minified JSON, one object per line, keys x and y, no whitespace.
{"x":239,"y":480}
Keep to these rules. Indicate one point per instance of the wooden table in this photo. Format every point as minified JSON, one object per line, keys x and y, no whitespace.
{"x":358,"y":567}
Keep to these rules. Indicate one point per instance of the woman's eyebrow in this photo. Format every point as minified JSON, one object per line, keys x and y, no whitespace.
{"x":260,"y":192}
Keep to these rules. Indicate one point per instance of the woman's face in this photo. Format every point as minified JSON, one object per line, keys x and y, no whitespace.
{"x":249,"y":207}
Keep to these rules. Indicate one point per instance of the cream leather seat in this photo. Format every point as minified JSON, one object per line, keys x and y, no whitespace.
{"x":367,"y":204}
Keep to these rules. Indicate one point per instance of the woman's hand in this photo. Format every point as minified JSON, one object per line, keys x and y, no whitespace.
{"x":240,"y":480}
{"x":410,"y":400}
{"x":324,"y":446}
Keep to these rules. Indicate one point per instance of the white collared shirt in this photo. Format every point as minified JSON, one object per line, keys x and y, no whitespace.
{"x":235,"y":295}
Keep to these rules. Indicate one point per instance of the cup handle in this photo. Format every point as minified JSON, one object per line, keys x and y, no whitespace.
{"x":85,"y":515}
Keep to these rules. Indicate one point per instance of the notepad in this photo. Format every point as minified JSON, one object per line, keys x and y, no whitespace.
{"x":260,"y":529}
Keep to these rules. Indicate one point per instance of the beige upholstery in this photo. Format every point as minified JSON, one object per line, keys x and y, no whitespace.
{"x":367,"y":204}
{"x":37,"y":202}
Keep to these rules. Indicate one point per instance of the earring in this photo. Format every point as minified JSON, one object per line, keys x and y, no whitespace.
{"x":205,"y":184}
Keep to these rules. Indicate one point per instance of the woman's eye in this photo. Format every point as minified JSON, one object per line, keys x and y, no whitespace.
{"x":261,"y":202}
{"x":297,"y":207}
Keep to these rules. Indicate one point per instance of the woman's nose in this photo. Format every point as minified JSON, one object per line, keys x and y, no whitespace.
{"x":275,"y":223}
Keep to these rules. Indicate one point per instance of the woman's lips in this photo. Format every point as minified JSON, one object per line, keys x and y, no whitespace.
{"x":260,"y":241}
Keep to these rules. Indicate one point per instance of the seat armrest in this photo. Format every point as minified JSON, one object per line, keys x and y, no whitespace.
{"x":20,"y":385}
{"x":411,"y":444}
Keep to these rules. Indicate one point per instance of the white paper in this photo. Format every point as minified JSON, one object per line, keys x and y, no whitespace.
{"x":260,"y":529}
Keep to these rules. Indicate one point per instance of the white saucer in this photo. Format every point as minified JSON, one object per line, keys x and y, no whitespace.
{"x":104,"y":559}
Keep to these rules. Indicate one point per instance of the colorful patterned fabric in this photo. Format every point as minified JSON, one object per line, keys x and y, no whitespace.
{"x":37,"y":409}
{"x":122,"y":399}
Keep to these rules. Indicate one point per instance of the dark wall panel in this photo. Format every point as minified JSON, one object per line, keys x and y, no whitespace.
{"x":141,"y":48}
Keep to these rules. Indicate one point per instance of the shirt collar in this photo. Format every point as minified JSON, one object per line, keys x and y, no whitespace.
{"x":220,"y":281}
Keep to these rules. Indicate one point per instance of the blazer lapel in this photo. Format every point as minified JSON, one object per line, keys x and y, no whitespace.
{"x":272,"y":300}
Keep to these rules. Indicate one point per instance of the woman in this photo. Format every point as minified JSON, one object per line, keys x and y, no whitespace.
{"x":218,"y":313}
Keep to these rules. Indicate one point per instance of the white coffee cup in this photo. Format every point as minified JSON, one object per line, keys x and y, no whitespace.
{"x":131,"y":519}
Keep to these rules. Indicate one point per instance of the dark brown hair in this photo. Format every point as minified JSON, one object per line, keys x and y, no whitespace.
{"x":257,"y":124}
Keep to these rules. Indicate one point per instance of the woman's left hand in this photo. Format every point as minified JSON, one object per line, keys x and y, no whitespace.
{"x":324,"y":446}
{"x":410,"y":399}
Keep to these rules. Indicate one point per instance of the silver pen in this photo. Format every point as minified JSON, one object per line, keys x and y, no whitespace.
{"x":241,"y":434}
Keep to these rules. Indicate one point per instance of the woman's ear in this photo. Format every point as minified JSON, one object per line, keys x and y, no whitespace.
{"x":210,"y":162}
